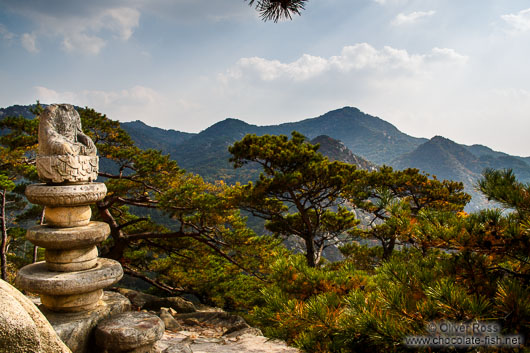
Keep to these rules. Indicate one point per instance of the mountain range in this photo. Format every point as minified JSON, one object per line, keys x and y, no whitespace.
{"x":345,"y":134}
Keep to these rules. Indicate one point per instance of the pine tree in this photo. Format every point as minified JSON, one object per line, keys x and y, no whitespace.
{"x":17,"y":146}
{"x":299,"y":192}
{"x":392,"y":200}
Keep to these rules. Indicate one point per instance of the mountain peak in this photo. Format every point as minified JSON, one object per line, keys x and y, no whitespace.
{"x":229,"y":123}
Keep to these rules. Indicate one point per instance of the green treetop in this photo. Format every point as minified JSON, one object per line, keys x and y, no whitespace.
{"x":299,"y":191}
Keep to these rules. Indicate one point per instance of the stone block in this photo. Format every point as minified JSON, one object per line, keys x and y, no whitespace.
{"x":72,"y":303}
{"x":71,"y":260}
{"x":64,"y":217}
{"x":65,"y":195}
{"x":68,"y":238}
{"x":36,"y":278}
{"x":129,"y":332}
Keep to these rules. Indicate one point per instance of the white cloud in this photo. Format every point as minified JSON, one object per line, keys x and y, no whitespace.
{"x":84,"y":34}
{"x":121,"y":20}
{"x":304,"y":68}
{"x":83,"y":42}
{"x":133,"y":103}
{"x":28,"y":41}
{"x":134,"y":96}
{"x":360,"y":57}
{"x":83,"y":29}
{"x":88,"y":26}
{"x":5,"y":34}
{"x":390,"y":82}
{"x":519,"y":22}
{"x":411,"y":18}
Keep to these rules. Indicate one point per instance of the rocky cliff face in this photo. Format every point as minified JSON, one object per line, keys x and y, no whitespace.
{"x":335,"y":150}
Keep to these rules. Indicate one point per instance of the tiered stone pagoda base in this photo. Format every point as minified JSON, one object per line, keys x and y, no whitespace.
{"x":69,"y":291}
{"x":72,"y":248}
{"x":73,"y":277}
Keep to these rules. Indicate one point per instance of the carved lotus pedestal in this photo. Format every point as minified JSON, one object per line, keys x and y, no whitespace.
{"x":72,"y":277}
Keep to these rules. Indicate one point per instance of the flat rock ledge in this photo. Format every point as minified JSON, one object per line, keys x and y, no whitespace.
{"x":211,"y":330}
{"x":76,"y":330}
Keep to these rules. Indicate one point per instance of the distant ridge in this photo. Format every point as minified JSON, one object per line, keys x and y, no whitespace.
{"x":367,"y":136}
{"x":146,"y":136}
{"x":345,"y":134}
{"x":443,"y":158}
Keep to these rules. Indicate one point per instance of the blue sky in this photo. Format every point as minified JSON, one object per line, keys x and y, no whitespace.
{"x":460,"y":69}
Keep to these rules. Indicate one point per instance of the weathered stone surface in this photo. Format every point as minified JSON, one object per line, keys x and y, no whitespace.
{"x":128,"y":331}
{"x":36,"y":278}
{"x":65,"y":152}
{"x":73,"y":266}
{"x":23,"y":328}
{"x":178,"y":348}
{"x":206,"y":335}
{"x":72,"y":216}
{"x":77,"y":329}
{"x":60,"y":132}
{"x":68,"y":238}
{"x":72,"y":303}
{"x":229,"y":322}
{"x":65,"y":195}
{"x":67,"y":168}
{"x":151,"y":302}
{"x":169,"y":321}
{"x":71,"y":260}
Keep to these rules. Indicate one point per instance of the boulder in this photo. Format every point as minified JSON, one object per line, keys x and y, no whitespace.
{"x":23,"y":328}
{"x":154,"y":303}
{"x":169,"y":320}
{"x":129,"y":332}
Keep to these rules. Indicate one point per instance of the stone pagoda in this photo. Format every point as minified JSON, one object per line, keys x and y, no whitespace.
{"x":72,"y":277}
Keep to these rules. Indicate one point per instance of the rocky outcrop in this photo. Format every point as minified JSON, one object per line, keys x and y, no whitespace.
{"x":154,"y":303}
{"x":215,"y":331}
{"x":23,"y":328}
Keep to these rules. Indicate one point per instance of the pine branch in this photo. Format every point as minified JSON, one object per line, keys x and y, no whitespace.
{"x":275,"y":10}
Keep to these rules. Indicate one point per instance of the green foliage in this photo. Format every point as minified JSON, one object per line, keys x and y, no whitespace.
{"x":303,"y":304}
{"x":393,"y":200}
{"x":480,"y":274}
{"x":502,"y":186}
{"x":17,"y":152}
{"x":299,"y":191}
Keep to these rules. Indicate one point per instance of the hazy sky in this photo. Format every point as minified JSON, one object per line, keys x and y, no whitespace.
{"x":456,"y":68}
